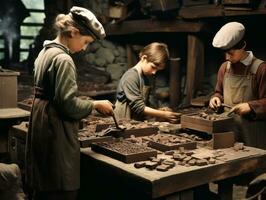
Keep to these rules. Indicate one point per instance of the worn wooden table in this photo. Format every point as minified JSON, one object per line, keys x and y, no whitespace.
{"x":105,"y":178}
{"x":8,"y":118}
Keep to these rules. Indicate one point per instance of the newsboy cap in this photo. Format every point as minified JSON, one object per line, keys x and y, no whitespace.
{"x":229,"y":35}
{"x":85,"y":18}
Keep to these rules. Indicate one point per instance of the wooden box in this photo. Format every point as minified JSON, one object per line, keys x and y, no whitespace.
{"x":197,"y":123}
{"x":116,"y":149}
{"x":8,"y":88}
{"x":223,"y":140}
{"x":164,"y":147}
{"x":87,"y":141}
{"x":138,"y":132}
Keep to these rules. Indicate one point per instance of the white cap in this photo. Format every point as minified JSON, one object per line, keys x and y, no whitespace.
{"x":229,"y":35}
{"x":87,"y":19}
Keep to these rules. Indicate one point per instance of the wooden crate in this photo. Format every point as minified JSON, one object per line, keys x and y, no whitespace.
{"x":164,"y":147}
{"x":138,"y":132}
{"x":87,"y":141}
{"x":8,"y":88}
{"x":223,"y":140}
{"x":197,"y":123}
{"x":126,"y":158}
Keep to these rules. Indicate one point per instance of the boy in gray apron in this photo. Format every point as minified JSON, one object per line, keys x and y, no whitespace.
{"x":133,"y":88}
{"x":241,"y":83}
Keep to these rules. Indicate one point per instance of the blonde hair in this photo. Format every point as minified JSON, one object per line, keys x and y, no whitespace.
{"x":156,"y":52}
{"x":64,"y":24}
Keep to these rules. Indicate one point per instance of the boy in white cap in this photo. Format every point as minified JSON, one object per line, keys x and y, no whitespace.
{"x":241,"y":83}
{"x":53,"y":151}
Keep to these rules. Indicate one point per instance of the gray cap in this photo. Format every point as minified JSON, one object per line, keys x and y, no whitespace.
{"x":87,"y":19}
{"x":229,"y":35}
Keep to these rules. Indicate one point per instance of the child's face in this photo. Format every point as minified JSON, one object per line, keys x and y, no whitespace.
{"x":150,"y":68}
{"x":234,"y":55}
{"x":79,"y":42}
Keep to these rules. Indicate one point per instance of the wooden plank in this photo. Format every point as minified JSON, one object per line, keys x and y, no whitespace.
{"x":211,"y":11}
{"x":201,"y":12}
{"x":150,"y":26}
{"x":10,"y":113}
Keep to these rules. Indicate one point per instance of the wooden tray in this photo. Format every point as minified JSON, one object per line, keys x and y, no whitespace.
{"x":87,"y":141}
{"x":126,"y":158}
{"x":163,"y":147}
{"x":194,"y":122}
{"x":138,"y":132}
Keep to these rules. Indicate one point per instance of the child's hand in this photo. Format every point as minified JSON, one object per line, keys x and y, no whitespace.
{"x":104,"y":106}
{"x":241,"y":109}
{"x":215,"y":102}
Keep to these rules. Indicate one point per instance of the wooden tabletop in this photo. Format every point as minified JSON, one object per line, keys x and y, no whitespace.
{"x":10,"y":113}
{"x":157,"y":184}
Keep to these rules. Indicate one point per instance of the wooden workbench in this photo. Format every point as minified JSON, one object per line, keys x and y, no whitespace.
{"x":105,"y":178}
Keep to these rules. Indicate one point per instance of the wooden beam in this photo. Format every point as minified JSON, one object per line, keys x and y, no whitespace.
{"x":195,"y":66}
{"x":150,"y":26}
{"x":211,"y":11}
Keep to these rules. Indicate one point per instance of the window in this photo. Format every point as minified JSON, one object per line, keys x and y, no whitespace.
{"x":31,"y":25}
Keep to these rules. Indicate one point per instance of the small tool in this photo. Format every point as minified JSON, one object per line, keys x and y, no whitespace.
{"x":116,"y":124}
{"x":112,"y":130}
{"x":226,"y":105}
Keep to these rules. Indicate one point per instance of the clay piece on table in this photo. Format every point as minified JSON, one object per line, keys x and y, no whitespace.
{"x":139,"y":165}
{"x":162,"y":168}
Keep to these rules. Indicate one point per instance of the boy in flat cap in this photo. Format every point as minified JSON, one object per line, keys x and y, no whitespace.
{"x":53,"y":151}
{"x":241,"y":83}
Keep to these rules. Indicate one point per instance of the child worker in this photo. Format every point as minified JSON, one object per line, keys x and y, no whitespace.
{"x":241,"y":83}
{"x":53,"y":150}
{"x":133,"y":88}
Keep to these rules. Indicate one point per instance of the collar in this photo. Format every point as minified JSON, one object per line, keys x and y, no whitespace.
{"x":248,"y":60}
{"x":54,"y":43}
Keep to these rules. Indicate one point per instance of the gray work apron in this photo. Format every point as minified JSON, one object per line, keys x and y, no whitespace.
{"x":238,"y":89}
{"x":122,"y":109}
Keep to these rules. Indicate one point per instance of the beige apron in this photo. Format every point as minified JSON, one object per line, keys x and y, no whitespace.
{"x":238,"y":89}
{"x":122,"y":109}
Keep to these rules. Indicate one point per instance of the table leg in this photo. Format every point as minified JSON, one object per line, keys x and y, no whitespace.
{"x":225,"y":190}
{"x":183,"y":195}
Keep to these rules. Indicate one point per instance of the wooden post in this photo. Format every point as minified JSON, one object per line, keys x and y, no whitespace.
{"x":131,"y":57}
{"x":195,"y":66}
{"x":174,"y":82}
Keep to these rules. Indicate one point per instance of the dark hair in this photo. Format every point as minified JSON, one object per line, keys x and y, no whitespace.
{"x":239,"y":45}
{"x":156,"y":52}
